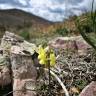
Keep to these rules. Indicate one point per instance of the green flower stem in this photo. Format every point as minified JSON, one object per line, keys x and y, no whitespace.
{"x":49,"y":89}
{"x":60,"y":82}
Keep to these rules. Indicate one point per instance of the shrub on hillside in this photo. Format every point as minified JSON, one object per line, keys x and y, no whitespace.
{"x":62,"y":31}
{"x":25,"y":35}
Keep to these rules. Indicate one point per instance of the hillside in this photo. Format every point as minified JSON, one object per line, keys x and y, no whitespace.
{"x":19,"y":17}
{"x":29,"y":25}
{"x":70,"y":24}
{"x":17,"y":20}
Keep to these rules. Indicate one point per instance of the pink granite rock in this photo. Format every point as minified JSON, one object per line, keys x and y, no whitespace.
{"x":71,"y":43}
{"x":24,"y":87}
{"x":24,"y":75}
{"x":23,"y":72}
{"x":89,"y":90}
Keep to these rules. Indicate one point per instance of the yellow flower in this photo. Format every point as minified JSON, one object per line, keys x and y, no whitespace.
{"x":42,"y":55}
{"x":42,"y":62}
{"x":40,"y":49}
{"x":45,"y":55}
{"x":52,"y":59}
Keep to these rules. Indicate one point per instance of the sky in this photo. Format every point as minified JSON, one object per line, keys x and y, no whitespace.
{"x":53,"y":10}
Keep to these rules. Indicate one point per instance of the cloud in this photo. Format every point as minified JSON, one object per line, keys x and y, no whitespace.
{"x":22,"y":2}
{"x":54,"y":10}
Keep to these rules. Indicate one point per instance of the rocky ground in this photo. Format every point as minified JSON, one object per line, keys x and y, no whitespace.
{"x":75,"y":66}
{"x":75,"y":71}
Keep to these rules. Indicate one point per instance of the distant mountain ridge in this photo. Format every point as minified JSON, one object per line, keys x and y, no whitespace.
{"x":19,"y":21}
{"x":19,"y":16}
{"x":16,"y":20}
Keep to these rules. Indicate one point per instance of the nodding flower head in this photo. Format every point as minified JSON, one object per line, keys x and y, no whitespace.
{"x":52,"y":59}
{"x":45,"y":55}
{"x":42,"y":55}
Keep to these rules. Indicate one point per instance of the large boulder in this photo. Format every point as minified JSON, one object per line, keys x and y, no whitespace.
{"x":10,"y":39}
{"x":24,"y":74}
{"x":16,"y":64}
{"x":70,"y":43}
